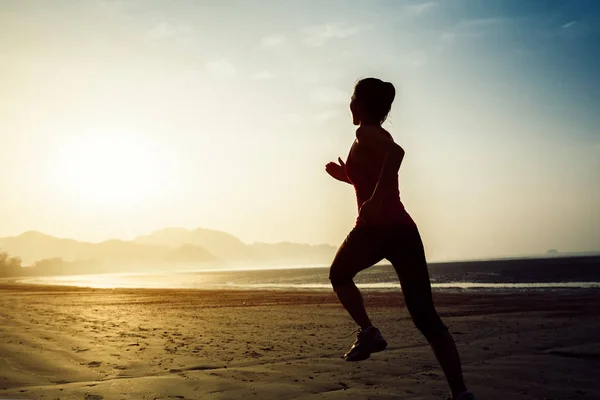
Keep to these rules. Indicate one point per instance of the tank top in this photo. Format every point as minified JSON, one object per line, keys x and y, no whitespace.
{"x":363,"y":168}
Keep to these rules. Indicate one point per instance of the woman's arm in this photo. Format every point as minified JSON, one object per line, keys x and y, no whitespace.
{"x":338,"y":171}
{"x":394,"y":155}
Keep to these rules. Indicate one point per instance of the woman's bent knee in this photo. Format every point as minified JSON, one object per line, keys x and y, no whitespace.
{"x":339,"y":277}
{"x":430,"y":324}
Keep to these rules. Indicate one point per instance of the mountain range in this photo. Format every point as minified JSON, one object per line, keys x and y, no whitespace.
{"x":165,"y":247}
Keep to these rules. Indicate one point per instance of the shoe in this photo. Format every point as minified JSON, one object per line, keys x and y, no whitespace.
{"x":367,"y":341}
{"x":467,"y":395}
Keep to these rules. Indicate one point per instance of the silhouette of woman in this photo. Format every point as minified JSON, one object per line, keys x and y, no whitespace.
{"x":385,"y":230}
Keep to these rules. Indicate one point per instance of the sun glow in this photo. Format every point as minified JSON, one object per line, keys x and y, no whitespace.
{"x":109,"y":171}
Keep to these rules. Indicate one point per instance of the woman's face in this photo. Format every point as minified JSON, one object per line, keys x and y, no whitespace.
{"x":356,"y":109}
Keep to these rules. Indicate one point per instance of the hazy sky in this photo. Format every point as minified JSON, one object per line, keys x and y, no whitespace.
{"x":121,"y":117}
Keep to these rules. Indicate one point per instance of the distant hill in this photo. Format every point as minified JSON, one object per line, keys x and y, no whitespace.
{"x":162,"y":248}
{"x":221,"y":244}
{"x":229,"y":248}
{"x":35,"y":246}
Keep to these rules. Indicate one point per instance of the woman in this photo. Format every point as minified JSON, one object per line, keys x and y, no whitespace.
{"x":385,"y":230}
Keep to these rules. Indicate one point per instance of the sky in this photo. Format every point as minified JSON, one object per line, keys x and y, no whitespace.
{"x":118,"y":118}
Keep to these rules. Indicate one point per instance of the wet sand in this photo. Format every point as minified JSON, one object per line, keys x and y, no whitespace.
{"x":75,"y":343}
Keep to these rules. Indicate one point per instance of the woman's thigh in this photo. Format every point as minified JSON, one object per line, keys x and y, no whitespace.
{"x":406,"y":253}
{"x":404,"y":249}
{"x":361,"y":249}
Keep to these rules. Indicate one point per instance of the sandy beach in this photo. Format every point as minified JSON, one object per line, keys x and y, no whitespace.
{"x":75,"y":343}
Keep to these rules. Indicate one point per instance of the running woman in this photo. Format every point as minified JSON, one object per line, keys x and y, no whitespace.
{"x":385,"y":230}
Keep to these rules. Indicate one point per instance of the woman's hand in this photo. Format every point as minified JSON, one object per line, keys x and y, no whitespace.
{"x":371,"y":211}
{"x":337,"y":171}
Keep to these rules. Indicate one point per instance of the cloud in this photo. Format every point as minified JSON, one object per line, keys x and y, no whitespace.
{"x":420,"y":8}
{"x":483,"y":22}
{"x":169,"y":30}
{"x":221,"y":68}
{"x":272,"y":41}
{"x":321,"y":34}
{"x":173,"y":32}
{"x":330,"y":95}
{"x":417,"y":59}
{"x":473,"y":28}
{"x":448,"y":37}
{"x":575,"y":29}
{"x":264,"y":75}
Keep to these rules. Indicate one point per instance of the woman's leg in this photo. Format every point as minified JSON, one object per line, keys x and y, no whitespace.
{"x":408,"y":259}
{"x":360,"y":250}
{"x":351,"y":298}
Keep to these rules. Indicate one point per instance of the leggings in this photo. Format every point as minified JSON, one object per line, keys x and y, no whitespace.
{"x":401,"y":245}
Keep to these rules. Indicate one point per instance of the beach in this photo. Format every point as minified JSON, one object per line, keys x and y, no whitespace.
{"x":59,"y":342}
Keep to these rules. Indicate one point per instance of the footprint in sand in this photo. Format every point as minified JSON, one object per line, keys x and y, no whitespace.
{"x":79,"y":350}
{"x":93,"y":397}
{"x":94,"y":364}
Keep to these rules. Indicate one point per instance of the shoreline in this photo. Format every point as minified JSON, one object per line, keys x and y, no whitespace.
{"x":548,"y":274}
{"x":385,"y":287}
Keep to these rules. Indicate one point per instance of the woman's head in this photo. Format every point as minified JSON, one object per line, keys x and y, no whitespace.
{"x":371,"y":101}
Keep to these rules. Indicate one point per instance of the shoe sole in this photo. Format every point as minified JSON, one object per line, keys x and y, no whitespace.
{"x":381,"y":347}
{"x":376,"y":349}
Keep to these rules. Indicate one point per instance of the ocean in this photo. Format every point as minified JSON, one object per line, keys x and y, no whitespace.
{"x":560,"y":273}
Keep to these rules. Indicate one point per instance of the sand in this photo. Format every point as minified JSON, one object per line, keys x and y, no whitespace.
{"x":75,"y":343}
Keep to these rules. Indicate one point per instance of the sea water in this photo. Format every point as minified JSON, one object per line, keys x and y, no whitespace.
{"x":377,"y":278}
